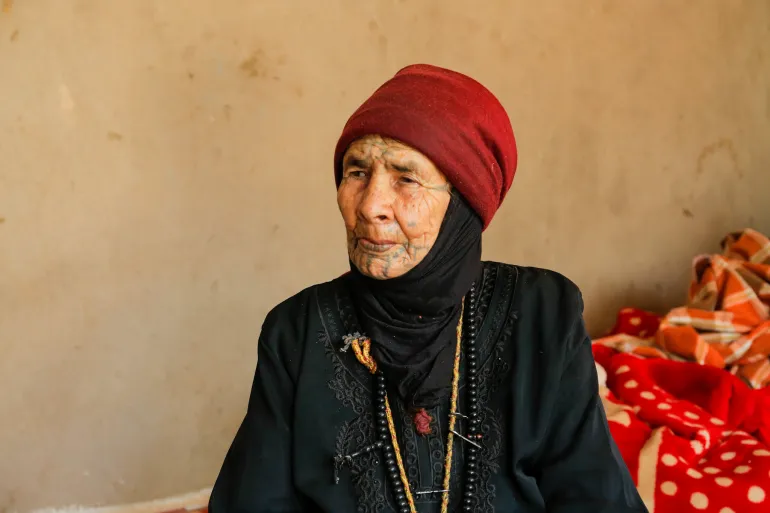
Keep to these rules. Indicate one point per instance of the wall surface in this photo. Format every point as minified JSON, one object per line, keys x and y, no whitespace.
{"x":165,"y":179}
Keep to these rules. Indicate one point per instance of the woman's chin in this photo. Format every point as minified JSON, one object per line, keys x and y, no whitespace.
{"x":379,"y":267}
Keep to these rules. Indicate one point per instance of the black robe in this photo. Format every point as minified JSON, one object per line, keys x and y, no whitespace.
{"x":546,"y":444}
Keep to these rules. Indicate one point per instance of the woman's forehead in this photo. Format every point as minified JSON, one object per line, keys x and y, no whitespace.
{"x":371,"y":148}
{"x":370,"y":142}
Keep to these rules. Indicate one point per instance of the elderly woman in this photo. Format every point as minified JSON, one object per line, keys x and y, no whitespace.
{"x":425,"y":380}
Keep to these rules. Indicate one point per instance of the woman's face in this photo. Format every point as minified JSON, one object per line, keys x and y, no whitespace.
{"x":393,"y":200}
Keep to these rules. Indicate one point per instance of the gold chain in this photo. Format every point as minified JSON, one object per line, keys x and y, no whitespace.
{"x":362,"y":348}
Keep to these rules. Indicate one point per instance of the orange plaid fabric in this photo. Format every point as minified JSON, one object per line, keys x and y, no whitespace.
{"x":643,"y":347}
{"x":726,"y":322}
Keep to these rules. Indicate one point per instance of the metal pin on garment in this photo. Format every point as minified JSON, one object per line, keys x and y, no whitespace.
{"x":338,"y":462}
{"x":464,"y":439}
{"x":347,"y":340}
{"x":346,"y":459}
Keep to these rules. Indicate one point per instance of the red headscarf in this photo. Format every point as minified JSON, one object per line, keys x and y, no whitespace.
{"x":453,"y":120}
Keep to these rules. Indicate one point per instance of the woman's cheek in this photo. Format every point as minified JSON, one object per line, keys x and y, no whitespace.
{"x":410,"y":222}
{"x":347,"y":205}
{"x":420,"y":216}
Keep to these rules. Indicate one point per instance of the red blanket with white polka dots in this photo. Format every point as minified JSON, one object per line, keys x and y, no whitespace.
{"x":695,"y":438}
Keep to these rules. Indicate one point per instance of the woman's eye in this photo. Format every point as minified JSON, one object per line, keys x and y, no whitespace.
{"x":356,"y":174}
{"x":407,"y":180}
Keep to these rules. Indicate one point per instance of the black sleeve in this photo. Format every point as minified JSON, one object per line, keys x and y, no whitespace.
{"x":582,"y":470}
{"x":256,"y":476}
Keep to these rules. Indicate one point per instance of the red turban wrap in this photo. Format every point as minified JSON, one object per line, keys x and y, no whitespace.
{"x":453,"y":120}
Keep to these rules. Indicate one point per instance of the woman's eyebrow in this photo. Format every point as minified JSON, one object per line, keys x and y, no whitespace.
{"x":357,"y":161}
{"x":405,"y":167}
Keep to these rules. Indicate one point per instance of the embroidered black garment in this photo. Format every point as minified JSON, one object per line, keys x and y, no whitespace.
{"x":546,"y":445}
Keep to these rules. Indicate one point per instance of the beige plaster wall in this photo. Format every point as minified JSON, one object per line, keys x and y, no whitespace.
{"x":165,"y":179}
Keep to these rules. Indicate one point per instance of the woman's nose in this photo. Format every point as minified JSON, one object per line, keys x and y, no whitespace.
{"x":377,"y":199}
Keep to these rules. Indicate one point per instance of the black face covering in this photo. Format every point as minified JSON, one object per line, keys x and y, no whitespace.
{"x":412,"y":319}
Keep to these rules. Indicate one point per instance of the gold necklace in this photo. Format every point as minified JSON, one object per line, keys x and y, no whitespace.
{"x":362,"y":348}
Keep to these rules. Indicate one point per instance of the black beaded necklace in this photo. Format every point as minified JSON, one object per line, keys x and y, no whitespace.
{"x":472,"y":437}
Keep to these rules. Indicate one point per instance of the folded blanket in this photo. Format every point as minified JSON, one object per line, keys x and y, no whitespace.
{"x":695,"y":438}
{"x":726,"y":322}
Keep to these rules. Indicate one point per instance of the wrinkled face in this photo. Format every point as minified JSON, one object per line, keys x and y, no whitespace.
{"x":393,"y":200}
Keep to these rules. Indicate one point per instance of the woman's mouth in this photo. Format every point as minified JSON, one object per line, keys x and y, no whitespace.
{"x":375,"y":246}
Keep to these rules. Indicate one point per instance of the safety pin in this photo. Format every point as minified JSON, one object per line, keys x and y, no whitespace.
{"x":466,"y":439}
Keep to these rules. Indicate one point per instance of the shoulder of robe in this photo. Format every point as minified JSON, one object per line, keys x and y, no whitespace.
{"x":289,"y":326}
{"x":549,"y":306}
{"x":293,"y":315}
